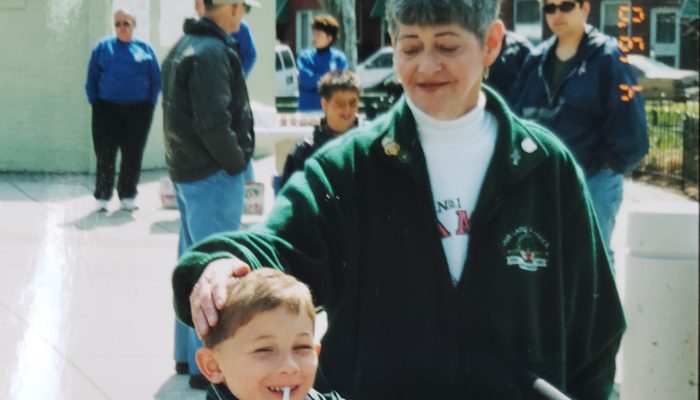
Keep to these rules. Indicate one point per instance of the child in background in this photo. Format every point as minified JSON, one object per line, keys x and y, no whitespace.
{"x":263,"y":346}
{"x":340,"y":100}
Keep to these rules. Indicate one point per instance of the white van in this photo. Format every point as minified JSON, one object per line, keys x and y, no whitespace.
{"x":286,"y":73}
{"x":376,"y":68}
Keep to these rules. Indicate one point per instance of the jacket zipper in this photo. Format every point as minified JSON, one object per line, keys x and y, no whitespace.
{"x":431,"y":221}
{"x":552,"y":96}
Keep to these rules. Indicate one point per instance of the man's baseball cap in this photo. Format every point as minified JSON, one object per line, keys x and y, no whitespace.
{"x":252,"y":3}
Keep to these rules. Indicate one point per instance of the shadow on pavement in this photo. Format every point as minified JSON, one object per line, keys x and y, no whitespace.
{"x":160,"y":227}
{"x":97,"y":219}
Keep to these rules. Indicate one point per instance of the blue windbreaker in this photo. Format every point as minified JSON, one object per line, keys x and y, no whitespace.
{"x":123,"y":73}
{"x":247,"y":52}
{"x":312,"y":64}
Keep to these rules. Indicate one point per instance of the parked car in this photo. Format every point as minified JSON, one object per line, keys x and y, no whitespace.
{"x":660,"y":81}
{"x":376,"y":68}
{"x":286,"y":73}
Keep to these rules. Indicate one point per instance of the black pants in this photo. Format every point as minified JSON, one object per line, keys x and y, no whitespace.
{"x":124,"y":128}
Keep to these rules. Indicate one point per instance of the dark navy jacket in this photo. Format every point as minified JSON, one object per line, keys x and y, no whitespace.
{"x":587,"y":112}
{"x":304,"y":148}
{"x":504,"y":71}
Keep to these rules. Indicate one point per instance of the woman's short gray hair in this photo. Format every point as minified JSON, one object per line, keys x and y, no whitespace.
{"x":473,"y":15}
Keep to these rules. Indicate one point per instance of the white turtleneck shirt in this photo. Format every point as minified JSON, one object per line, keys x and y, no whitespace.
{"x":457,"y":153}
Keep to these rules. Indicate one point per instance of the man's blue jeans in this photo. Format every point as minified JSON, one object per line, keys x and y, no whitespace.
{"x":207,"y":206}
{"x":605,"y":188}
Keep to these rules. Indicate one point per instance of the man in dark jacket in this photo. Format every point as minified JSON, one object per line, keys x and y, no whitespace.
{"x":571,"y":84}
{"x":340,"y":98}
{"x":209,"y":138}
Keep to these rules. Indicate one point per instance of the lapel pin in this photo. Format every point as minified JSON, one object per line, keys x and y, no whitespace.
{"x":528,"y":145}
{"x":391,"y":148}
{"x":515,"y":157}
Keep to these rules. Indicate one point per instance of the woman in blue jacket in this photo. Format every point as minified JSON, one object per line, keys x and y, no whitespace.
{"x":123,"y":84}
{"x":315,"y":62}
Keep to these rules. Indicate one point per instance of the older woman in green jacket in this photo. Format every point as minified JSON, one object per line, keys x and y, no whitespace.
{"x":452,"y":244}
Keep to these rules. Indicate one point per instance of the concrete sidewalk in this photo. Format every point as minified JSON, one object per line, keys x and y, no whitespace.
{"x":85,"y":297}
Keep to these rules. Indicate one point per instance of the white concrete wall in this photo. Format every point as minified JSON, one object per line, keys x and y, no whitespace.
{"x":660,"y":347}
{"x":261,"y":82}
{"x":46,"y":44}
{"x":44,"y":117}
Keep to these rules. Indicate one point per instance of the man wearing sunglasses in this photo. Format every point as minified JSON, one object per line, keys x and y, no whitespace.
{"x":571,"y":85}
{"x":209,"y":138}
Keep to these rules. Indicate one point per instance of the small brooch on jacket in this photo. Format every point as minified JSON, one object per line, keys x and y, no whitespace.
{"x":391,"y":148}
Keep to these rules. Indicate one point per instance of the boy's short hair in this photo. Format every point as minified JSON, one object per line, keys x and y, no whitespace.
{"x":261,"y":290}
{"x":335,"y":80}
{"x":326,"y":23}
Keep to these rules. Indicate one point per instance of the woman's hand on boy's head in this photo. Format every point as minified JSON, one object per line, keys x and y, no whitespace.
{"x":209,"y":293}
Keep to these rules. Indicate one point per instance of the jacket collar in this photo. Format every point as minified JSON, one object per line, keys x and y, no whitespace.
{"x":591,"y":41}
{"x":323,"y":133}
{"x":207,"y":27}
{"x":516,"y":154}
{"x":221,"y":392}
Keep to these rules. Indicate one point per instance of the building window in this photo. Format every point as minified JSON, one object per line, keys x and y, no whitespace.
{"x":304,"y":18}
{"x":528,"y":19}
{"x":665,"y":35}
{"x":610,"y":16}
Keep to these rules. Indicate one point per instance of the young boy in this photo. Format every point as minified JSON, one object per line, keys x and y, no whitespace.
{"x":340,"y":98}
{"x":263,"y":344}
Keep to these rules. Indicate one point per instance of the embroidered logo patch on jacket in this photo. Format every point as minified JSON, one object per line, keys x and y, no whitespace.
{"x":526,"y":248}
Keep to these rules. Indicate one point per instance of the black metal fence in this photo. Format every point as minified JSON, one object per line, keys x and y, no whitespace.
{"x":673,"y":144}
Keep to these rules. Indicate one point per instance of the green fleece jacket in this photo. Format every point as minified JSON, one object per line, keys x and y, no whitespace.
{"x":359,"y":226}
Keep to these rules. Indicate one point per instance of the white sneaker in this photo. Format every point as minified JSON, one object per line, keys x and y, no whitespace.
{"x":102,"y":205}
{"x":129,"y":204}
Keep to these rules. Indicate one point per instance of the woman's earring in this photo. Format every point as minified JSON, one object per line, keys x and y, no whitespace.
{"x":485,"y":75}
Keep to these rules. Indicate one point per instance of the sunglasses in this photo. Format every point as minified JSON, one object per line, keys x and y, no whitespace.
{"x":565,"y":7}
{"x":119,"y":24}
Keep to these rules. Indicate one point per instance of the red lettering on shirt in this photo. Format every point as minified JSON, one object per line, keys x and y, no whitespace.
{"x":464,"y":225}
{"x":443,"y":231}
